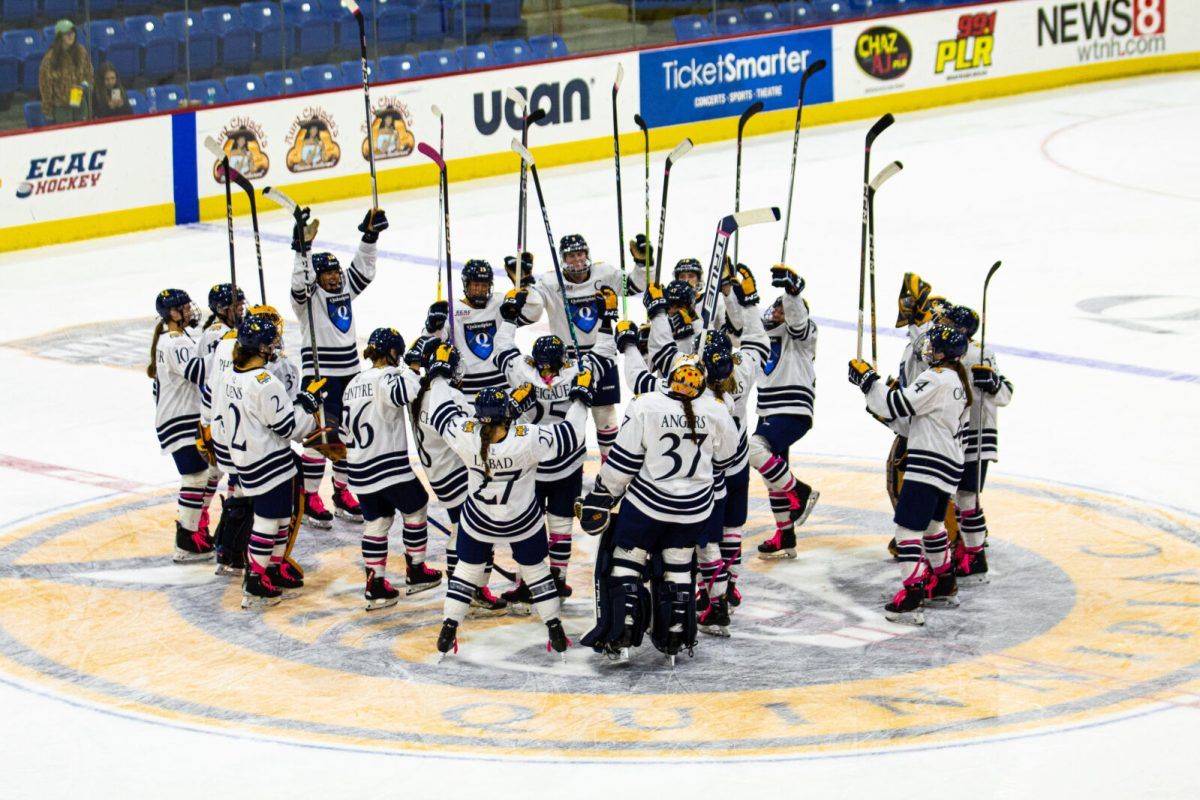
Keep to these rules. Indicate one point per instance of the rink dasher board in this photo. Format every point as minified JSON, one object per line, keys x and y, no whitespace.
{"x":152,"y":171}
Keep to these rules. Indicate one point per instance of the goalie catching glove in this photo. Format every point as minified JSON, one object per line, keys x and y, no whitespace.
{"x":325,"y":442}
{"x":914,"y":302}
{"x":304,"y":231}
{"x":204,"y":442}
{"x":595,"y":512}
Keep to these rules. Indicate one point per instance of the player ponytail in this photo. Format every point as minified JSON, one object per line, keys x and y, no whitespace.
{"x":152,"y":369}
{"x":415,"y":405}
{"x":208,"y":322}
{"x":485,"y":441}
{"x":372,"y":354}
{"x":964,"y":379}
{"x":241,"y":356}
{"x":689,"y":415}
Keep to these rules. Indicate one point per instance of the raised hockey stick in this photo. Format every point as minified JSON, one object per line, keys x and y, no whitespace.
{"x":366,"y":84}
{"x":813,"y":69}
{"x":437,"y":112}
{"x":641,"y":123}
{"x":879,"y":127}
{"x":884,"y":175}
{"x":979,"y":426}
{"x":528,"y":118}
{"x":756,"y":107}
{"x":727,"y":227}
{"x":679,"y":152}
{"x":435,"y":157}
{"x":527,"y":159}
{"x":226,"y":171}
{"x":241,"y":180}
{"x":620,"y":216}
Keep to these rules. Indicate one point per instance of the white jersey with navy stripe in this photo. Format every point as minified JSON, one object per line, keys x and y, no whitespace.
{"x":789,"y":381}
{"x":220,"y":363}
{"x":502,"y":504}
{"x":178,"y":380}
{"x":286,"y":370}
{"x":661,"y":467}
{"x":255,"y":419}
{"x":475,"y":332}
{"x":546,"y":298}
{"x":373,"y":427}
{"x":333,"y":313}
{"x":662,"y":347}
{"x":210,"y":338}
{"x":989,"y":403}
{"x":444,"y":470}
{"x":934,"y":404}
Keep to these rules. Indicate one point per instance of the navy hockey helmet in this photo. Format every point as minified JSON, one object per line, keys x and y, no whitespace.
{"x":717,"y":356}
{"x":679,"y":294}
{"x":945,"y":343}
{"x":221,"y":297}
{"x":492,"y":405}
{"x":577,"y":269}
{"x":685,"y":266}
{"x":477,"y":271}
{"x":385,"y":340}
{"x":548,"y":353}
{"x":170,"y":299}
{"x":327,"y":262}
{"x":964,"y":319}
{"x":258,"y":334}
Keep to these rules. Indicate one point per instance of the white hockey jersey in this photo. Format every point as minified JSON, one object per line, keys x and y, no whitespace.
{"x":220,"y":363}
{"x":989,"y":403}
{"x":475,"y":331}
{"x":545,"y":297}
{"x":256,"y":420}
{"x":179,"y":377}
{"x":789,"y":380}
{"x":444,"y":470}
{"x":210,"y":338}
{"x":373,"y":427}
{"x":934,"y":403}
{"x":660,"y":467}
{"x":911,"y":363}
{"x":333,"y":314}
{"x":502,"y":506}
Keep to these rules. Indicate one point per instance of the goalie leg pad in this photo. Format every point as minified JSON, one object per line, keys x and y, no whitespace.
{"x":233,"y":534}
{"x":674,"y":599}
{"x":622,"y":602}
{"x":895,"y":468}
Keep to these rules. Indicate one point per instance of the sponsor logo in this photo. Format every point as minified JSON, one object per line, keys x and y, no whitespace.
{"x":883,"y":53}
{"x":245,"y":146}
{"x":312,"y":141}
{"x":969,"y":53}
{"x":1105,"y":29}
{"x":391,"y":131}
{"x":563,"y":103}
{"x":66,"y":172}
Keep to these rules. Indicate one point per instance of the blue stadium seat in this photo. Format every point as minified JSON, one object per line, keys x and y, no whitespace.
{"x":395,"y":26}
{"x":864,"y":8}
{"x":10,"y":78}
{"x":201,"y":49}
{"x":245,"y":87}
{"x":761,"y":18}
{"x":16,"y":11}
{"x":33,"y":115}
{"x":59,"y":9}
{"x":829,"y":10}
{"x":322,"y":76}
{"x":163,"y":98}
{"x":160,"y":50}
{"x":437,"y":62}
{"x":352,"y":71}
{"x":102,"y":32}
{"x":110,"y":43}
{"x":512,"y":51}
{"x":476,"y":56}
{"x":208,"y":92}
{"x":427,"y":22}
{"x":547,"y":46}
{"x":98,"y":8}
{"x":729,"y":21}
{"x":261,"y":15}
{"x":21,"y":43}
{"x":397,"y":68}
{"x":504,"y":16}
{"x":465,"y":17}
{"x":690,"y":26}
{"x":316,"y":32}
{"x":137,"y":6}
{"x":30,"y":65}
{"x":277,"y":80}
{"x":137,"y":101}
{"x":797,"y":12}
{"x":236,"y":38}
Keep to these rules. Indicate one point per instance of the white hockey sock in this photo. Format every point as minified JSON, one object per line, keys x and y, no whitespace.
{"x":936,"y":545}
{"x":909,"y":554}
{"x":559,"y":531}
{"x":541,"y":586}
{"x":460,"y":590}
{"x":313,"y":467}
{"x":416,"y":535}
{"x":191,"y":499}
{"x":262,"y":540}
{"x":375,"y":544}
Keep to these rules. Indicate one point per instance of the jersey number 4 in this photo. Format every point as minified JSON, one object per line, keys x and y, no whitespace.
{"x":675,"y":443}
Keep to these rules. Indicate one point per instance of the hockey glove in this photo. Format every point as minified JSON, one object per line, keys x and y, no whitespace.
{"x":415,"y":357}
{"x":681,"y":325}
{"x":373,"y":224}
{"x":744,"y":287}
{"x":583,"y":388}
{"x":325,"y":442}
{"x":913,"y":302}
{"x":641,"y":250}
{"x":443,"y":361}
{"x":435,"y":320}
{"x":861,"y":374}
{"x":626,"y":335}
{"x":513,"y":304}
{"x":654,"y":300}
{"x":510,"y":267}
{"x":310,"y":398}
{"x":607,"y":299}
{"x":204,"y":442}
{"x":304,"y":231}
{"x":523,"y":399}
{"x":787,"y":279}
{"x":985,"y":378}
{"x":595,"y":512}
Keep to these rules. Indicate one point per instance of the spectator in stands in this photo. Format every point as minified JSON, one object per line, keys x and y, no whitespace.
{"x":110,"y":99}
{"x":65,"y":76}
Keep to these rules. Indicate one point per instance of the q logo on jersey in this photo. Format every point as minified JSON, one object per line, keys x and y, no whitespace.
{"x":883,"y":53}
{"x":773,"y":359}
{"x":340,"y":312}
{"x":481,"y":338}
{"x":584,"y":315}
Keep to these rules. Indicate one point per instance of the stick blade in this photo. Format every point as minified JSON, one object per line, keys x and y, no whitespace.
{"x":537,"y":115}
{"x":432,"y":154}
{"x":814,"y":68}
{"x":522,"y":151}
{"x":351,"y":6}
{"x":276,"y":196}
{"x":641,"y":122}
{"x":437,"y":112}
{"x":879,"y":127}
{"x":756,"y":216}
{"x":620,"y":77}
{"x":210,"y":144}
{"x":681,"y":150}
{"x":885,"y":174}
{"x":517,"y":99}
{"x":991,"y":272}
{"x":756,"y":107}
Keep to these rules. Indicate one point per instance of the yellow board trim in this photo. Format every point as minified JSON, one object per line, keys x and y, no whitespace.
{"x":425,"y":174}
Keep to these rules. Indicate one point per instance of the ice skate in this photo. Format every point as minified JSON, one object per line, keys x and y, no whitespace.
{"x":971,"y":568}
{"x":420,"y":577}
{"x":315,"y":513}
{"x":192,"y":546}
{"x":284,"y":578}
{"x":621,"y":649}
{"x":345,"y":504}
{"x":715,"y":619}
{"x":905,"y":607}
{"x":893,"y":549}
{"x":733,"y":598}
{"x":486,"y":604}
{"x":519,"y":600}
{"x":560,"y":583}
{"x":448,"y":639}
{"x":379,"y":592}
{"x":943,"y":589}
{"x":781,"y":545}
{"x":258,"y":591}
{"x":558,"y":638}
{"x":804,"y":506}
{"x":202,"y":525}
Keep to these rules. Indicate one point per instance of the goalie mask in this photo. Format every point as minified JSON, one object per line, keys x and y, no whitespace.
{"x":270,"y":313}
{"x":685,"y":381}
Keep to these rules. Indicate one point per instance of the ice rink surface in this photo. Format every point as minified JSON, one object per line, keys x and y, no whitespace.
{"x":1089,"y":195}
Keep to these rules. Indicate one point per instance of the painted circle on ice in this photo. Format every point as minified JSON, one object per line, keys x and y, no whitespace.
{"x":1091,"y":612}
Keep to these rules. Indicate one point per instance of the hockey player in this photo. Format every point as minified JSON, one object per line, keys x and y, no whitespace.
{"x":590,"y":288}
{"x":177,"y":369}
{"x":476,"y":322}
{"x":669,"y":464}
{"x":226,"y":307}
{"x":502,"y":505}
{"x":379,"y":471}
{"x":320,"y":280}
{"x":258,"y":420}
{"x":674,"y":323}
{"x":934,"y":404}
{"x":786,"y":393}
{"x":992,"y":390}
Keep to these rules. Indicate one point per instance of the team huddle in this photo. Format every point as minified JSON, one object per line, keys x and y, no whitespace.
{"x":500,"y":435}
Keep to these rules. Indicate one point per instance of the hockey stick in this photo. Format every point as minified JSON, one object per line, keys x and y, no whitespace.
{"x":884,"y":175}
{"x":241,"y":180}
{"x":979,"y":427}
{"x":728,"y":226}
{"x":756,"y":107}
{"x":528,"y":118}
{"x":527,"y":159}
{"x":813,"y":69}
{"x":366,"y":83}
{"x":437,"y":112}
{"x":679,"y":152}
{"x":620,"y":216}
{"x":641,"y":123}
{"x":879,"y":127}
{"x":435,"y":157}
{"x":225,"y":171}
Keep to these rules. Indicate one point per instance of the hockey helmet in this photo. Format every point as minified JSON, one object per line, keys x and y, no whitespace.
{"x":685,"y":381}
{"x":688,"y":266}
{"x":492,"y":405}
{"x":323,"y":263}
{"x":258,"y":335}
{"x":477,"y":271}
{"x":963,"y":319}
{"x":270,"y":313}
{"x":573,"y":250}
{"x":169,"y":299}
{"x":221,"y":298}
{"x":385,"y":341}
{"x":679,"y":294}
{"x":717,"y":356}
{"x":548,"y":354}
{"x":944,"y":343}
